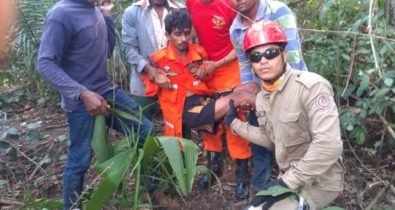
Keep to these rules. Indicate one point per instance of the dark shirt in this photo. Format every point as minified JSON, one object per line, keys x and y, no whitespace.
{"x":75,"y":44}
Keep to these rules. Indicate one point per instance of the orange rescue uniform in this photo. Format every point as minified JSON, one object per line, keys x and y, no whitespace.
{"x":179,"y":72}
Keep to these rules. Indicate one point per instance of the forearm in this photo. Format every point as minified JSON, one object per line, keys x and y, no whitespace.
{"x":251,"y":133}
{"x":228,"y":58}
{"x":59,"y":80}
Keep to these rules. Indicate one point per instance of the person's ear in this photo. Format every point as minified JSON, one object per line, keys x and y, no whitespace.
{"x":167,"y":35}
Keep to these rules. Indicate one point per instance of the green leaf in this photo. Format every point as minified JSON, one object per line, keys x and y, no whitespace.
{"x":388,"y":81}
{"x":362,"y":86}
{"x":275,"y":191}
{"x":191,"y":151}
{"x":112,"y":172}
{"x":151,"y":149}
{"x":100,"y":143}
{"x":172,"y":150}
{"x":124,"y":115}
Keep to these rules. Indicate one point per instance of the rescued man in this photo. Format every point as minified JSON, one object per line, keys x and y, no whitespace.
{"x":297,"y":118}
{"x":186,"y":101}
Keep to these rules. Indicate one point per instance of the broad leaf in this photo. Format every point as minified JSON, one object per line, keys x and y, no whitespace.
{"x":113,"y":172}
{"x":124,"y":115}
{"x":274,"y":191}
{"x":172,"y":150}
{"x":100,"y":144}
{"x":191,"y":151}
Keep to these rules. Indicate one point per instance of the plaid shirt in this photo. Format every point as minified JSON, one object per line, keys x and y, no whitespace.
{"x":275,"y":11}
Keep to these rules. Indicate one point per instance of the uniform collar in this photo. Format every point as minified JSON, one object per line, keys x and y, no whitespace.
{"x":190,"y":57}
{"x":284,"y":80}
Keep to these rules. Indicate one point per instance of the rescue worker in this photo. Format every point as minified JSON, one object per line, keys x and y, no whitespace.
{"x":298,"y":119}
{"x":250,"y":11}
{"x":212,"y":19}
{"x":186,"y":101}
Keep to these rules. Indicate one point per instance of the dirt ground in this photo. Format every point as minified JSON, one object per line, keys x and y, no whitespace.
{"x":21,"y":179}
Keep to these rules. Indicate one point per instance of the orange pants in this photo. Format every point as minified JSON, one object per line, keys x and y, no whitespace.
{"x":225,"y":78}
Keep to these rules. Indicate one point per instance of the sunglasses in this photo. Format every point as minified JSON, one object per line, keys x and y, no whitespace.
{"x":269,"y":54}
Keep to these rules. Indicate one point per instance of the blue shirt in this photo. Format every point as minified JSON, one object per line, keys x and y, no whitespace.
{"x":74,"y":48}
{"x":275,"y":11}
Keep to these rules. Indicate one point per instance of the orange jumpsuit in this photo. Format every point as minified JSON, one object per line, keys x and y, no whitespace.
{"x":179,"y":72}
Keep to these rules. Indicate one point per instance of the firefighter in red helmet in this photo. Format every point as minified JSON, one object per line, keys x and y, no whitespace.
{"x":298,"y":119}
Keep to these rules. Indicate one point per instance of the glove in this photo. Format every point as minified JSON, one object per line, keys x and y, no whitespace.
{"x":269,"y":200}
{"x":231,"y":115}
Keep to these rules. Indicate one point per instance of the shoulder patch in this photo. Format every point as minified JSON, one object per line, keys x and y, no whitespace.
{"x":308,"y":79}
{"x":200,"y":50}
{"x":158,"y":55}
{"x":324,"y":101}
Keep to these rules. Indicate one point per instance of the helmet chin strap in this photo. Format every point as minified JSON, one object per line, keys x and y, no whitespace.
{"x":272,"y":81}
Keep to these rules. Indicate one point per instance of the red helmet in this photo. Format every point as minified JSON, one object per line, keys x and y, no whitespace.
{"x":263,"y":32}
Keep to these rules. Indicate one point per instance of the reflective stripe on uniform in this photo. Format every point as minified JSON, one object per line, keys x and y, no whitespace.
{"x":169,"y":124}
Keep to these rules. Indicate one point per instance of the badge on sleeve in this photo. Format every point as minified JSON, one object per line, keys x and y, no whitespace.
{"x":324,"y":101}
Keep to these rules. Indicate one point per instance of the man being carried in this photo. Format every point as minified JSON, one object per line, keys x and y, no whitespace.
{"x":185,"y":100}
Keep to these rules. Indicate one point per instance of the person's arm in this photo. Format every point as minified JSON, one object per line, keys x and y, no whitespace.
{"x":251,"y":133}
{"x":130,"y":42}
{"x":212,"y":65}
{"x":287,"y":19}
{"x":55,"y":38}
{"x":326,"y":146}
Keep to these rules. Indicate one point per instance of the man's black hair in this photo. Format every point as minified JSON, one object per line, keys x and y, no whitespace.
{"x":177,"y":19}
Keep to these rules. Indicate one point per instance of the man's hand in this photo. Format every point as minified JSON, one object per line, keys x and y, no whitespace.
{"x":200,"y":73}
{"x":162,"y":80}
{"x":268,"y":200}
{"x":232,"y":113}
{"x":106,"y":7}
{"x":94,"y":103}
{"x":151,"y":71}
{"x":211,"y":66}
